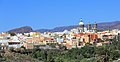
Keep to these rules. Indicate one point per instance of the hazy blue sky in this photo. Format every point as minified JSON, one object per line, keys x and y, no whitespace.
{"x":54,"y":13}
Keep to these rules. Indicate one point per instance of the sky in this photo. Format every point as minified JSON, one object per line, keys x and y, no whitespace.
{"x":47,"y":14}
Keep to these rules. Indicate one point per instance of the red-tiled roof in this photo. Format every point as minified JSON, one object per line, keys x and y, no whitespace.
{"x":79,"y":35}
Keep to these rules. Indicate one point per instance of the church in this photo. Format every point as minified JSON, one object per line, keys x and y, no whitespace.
{"x":82,"y":28}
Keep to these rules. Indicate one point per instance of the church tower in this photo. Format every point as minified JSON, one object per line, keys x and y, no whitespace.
{"x":89,"y":27}
{"x":95,"y":27}
{"x":81,"y":24}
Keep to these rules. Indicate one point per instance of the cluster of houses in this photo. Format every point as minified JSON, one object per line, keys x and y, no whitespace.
{"x":75,"y":38}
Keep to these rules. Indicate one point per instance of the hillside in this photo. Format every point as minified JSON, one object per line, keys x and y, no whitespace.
{"x":24,"y":29}
{"x":101,"y":26}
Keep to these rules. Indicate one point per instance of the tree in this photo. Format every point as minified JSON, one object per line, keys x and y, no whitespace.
{"x":11,"y":49}
{"x":12,"y":33}
{"x":23,"y":47}
{"x":50,"y":57}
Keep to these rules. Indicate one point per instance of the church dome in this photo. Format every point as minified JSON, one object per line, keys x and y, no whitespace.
{"x":81,"y":23}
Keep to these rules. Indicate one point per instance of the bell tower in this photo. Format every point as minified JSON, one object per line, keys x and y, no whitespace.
{"x":95,"y":27}
{"x":89,"y":27}
{"x":81,"y":24}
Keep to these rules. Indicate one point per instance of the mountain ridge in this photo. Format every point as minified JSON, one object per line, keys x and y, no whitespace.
{"x":101,"y":26}
{"x":24,"y":29}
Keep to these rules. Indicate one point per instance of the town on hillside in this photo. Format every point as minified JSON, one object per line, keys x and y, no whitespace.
{"x":75,"y":38}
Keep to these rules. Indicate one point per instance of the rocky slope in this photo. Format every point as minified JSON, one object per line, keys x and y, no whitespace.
{"x":101,"y":26}
{"x":24,"y":29}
